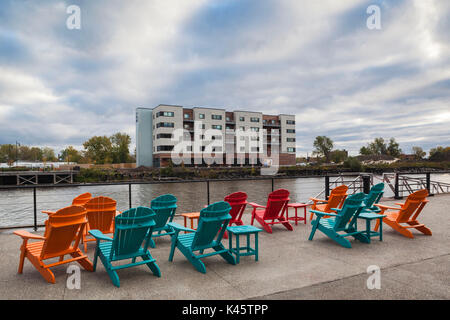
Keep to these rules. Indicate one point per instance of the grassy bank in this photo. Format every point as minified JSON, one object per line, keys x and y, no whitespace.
{"x":184,"y":173}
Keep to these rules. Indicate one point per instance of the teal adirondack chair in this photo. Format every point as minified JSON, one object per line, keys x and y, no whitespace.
{"x":164,"y":207}
{"x":342,"y":221}
{"x":373,"y":197}
{"x":132,"y":235}
{"x":212,"y":224}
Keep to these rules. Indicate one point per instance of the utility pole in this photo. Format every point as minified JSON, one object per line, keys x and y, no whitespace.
{"x":17,"y":147}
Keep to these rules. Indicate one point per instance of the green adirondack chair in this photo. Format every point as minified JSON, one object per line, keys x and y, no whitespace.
{"x":164,"y":207}
{"x":343,"y":221}
{"x":374,"y":196}
{"x":132,"y":235}
{"x":212,"y":224}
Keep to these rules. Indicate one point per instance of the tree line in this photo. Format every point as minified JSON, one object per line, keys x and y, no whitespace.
{"x":323,"y":147}
{"x":97,"y":150}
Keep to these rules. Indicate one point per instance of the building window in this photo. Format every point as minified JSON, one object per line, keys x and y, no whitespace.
{"x":186,"y":116}
{"x":290,"y":139}
{"x":290,"y":149}
{"x":164,"y":114}
{"x":188,"y":148}
{"x":242,"y":149}
{"x":217,"y":126}
{"x":272,"y":121}
{"x":228,"y":118}
{"x":241,"y":118}
{"x":201,"y":116}
{"x":290,"y":121}
{"x":242,"y":128}
{"x":216,"y":117}
{"x":164,"y":148}
{"x":216,"y":137}
{"x":165,"y":125}
{"x":264,"y":121}
{"x":255,"y":149}
{"x":254,"y":138}
{"x":254,"y":119}
{"x":217,"y":149}
{"x":164,"y":136}
{"x":290,"y":130}
{"x":255,"y":129}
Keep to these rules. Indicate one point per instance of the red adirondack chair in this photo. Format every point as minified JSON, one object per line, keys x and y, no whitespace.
{"x":274,"y":210}
{"x":238,"y":202}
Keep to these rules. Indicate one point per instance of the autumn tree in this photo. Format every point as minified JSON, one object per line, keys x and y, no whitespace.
{"x":323,"y":146}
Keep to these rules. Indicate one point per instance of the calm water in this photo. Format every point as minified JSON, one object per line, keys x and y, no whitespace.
{"x":16,"y":206}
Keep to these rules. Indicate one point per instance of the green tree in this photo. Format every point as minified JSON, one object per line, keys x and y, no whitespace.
{"x":48,"y":154}
{"x":120,"y":147}
{"x":70,"y":154}
{"x":440,"y":154}
{"x":418,"y":152}
{"x":338,"y":155}
{"x":7,"y":153}
{"x":99,"y":149}
{"x":323,"y":146}
{"x":393,"y":149}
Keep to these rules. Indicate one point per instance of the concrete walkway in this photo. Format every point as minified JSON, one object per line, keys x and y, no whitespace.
{"x":290,"y":267}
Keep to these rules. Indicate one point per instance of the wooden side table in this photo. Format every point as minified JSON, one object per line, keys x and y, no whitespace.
{"x":191,"y":216}
{"x":296,"y":206}
{"x":247,"y":250}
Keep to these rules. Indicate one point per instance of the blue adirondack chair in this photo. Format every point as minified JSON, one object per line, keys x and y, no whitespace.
{"x":373,"y":197}
{"x":212,"y":224}
{"x":131,"y":240}
{"x":164,"y":207}
{"x":343,"y":221}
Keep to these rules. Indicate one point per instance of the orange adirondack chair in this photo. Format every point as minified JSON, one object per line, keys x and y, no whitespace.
{"x":274,"y":210}
{"x":77,"y":201}
{"x":406,"y":214}
{"x":101,"y":212}
{"x":335,"y":200}
{"x":64,"y":227}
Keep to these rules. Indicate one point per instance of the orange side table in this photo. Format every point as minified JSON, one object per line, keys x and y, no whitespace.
{"x":296,"y":206}
{"x":191,"y":216}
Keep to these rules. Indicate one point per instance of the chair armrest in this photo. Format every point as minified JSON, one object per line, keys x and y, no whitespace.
{"x":97,"y":234}
{"x":179,"y":227}
{"x":321,"y":214}
{"x":336,"y":209}
{"x":399,"y":204}
{"x":381,"y":206}
{"x":255,"y":205}
{"x":318,"y":200}
{"x":48,"y":212}
{"x":28,"y":235}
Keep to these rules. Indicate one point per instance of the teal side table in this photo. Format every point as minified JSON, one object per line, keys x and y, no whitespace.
{"x":369,"y":216}
{"x":247,"y":250}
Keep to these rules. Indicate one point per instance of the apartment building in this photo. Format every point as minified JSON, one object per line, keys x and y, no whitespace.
{"x":212,"y":136}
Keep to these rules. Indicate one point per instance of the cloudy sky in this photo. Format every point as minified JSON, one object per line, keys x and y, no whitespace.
{"x":315,"y":59}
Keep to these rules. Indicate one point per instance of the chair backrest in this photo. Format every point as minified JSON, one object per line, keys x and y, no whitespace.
{"x":336,"y":197}
{"x":276,"y":203}
{"x":349,"y":211}
{"x":164,"y":207}
{"x":132,"y":231}
{"x":81,"y":199}
{"x":212,"y":223}
{"x":238,"y":202}
{"x":64,"y":226}
{"x":375,"y":194}
{"x":412,"y":204}
{"x":100,"y":213}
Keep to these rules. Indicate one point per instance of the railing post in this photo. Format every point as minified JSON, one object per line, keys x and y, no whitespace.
{"x":35,"y":209}
{"x":396,"y":189}
{"x":327,"y":187}
{"x":207,"y":190}
{"x":272,"y":185}
{"x":129,"y":194}
{"x":366,"y":183}
{"x":428,"y":177}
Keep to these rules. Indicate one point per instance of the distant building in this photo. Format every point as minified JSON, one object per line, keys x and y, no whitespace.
{"x":156,"y":131}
